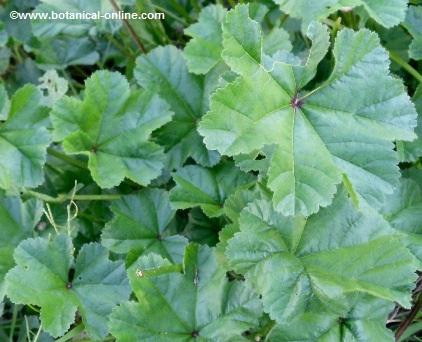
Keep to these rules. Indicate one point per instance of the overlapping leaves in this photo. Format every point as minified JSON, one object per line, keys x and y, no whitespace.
{"x":342,"y":129}
{"x":143,"y":224}
{"x":42,"y":278}
{"x":297,"y":263}
{"x":112,"y":125}
{"x":164,"y":71}
{"x":198,"y":304}
{"x":24,"y":140}
{"x":387,"y":13}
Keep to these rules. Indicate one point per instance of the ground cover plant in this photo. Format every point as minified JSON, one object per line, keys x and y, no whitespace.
{"x":234,"y":171}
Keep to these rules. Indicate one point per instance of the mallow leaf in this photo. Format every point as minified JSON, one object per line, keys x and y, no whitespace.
{"x":24,"y":140}
{"x":207,"y":188}
{"x":199,"y":303}
{"x":413,"y":24}
{"x":363,"y":321}
{"x":63,"y":51}
{"x":73,"y":27}
{"x":387,"y":13}
{"x":112,"y":125}
{"x":346,"y":125}
{"x":203,"y":51}
{"x":144,"y":223}
{"x":403,"y":209}
{"x":47,"y":275}
{"x":296,"y":263}
{"x":17,"y":221}
{"x":164,"y":71}
{"x":411,"y":151}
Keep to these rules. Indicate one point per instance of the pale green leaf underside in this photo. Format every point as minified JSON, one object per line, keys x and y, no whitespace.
{"x":142,"y":222}
{"x":347,"y":125}
{"x":200,"y":301}
{"x":41,"y":278}
{"x":112,"y":125}
{"x":387,"y":13}
{"x":294,"y":263}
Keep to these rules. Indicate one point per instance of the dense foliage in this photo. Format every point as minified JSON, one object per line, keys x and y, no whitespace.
{"x":238,"y":171}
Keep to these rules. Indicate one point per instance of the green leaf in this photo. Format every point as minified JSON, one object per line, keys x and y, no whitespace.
{"x":42,"y":278}
{"x":24,"y":140}
{"x":207,"y":188}
{"x":61,"y":52}
{"x":387,"y":13}
{"x":413,"y":24}
{"x":73,"y":27}
{"x":4,"y":103}
{"x":203,"y":51}
{"x":364,"y":321}
{"x":412,"y":151}
{"x":17,"y":221}
{"x":112,"y":125}
{"x":266,"y":105}
{"x":403,"y":209}
{"x":296,"y":263}
{"x":198,"y":304}
{"x":164,"y":71}
{"x":144,"y":222}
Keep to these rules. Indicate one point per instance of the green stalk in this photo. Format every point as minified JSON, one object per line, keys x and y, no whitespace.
{"x":60,"y":155}
{"x":68,"y":197}
{"x":72,"y":333}
{"x":13,"y":325}
{"x":406,"y":66}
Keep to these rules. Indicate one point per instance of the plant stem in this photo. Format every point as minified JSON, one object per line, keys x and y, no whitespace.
{"x":410,"y":317}
{"x":72,"y":333}
{"x":265,"y":330}
{"x":129,"y":27}
{"x":406,"y":66}
{"x":13,"y":325}
{"x":159,"y":271}
{"x":60,"y":155}
{"x":170,"y":14}
{"x":67,"y":197}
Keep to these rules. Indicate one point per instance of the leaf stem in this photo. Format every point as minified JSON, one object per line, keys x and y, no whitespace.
{"x":406,"y":66}
{"x":265,"y":330}
{"x":72,"y":333}
{"x":67,"y":197}
{"x":410,"y":317}
{"x":13,"y":325}
{"x":60,"y":155}
{"x":129,"y":27}
{"x":159,"y":270}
